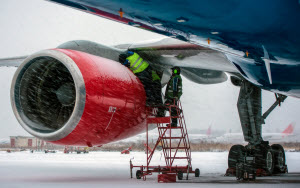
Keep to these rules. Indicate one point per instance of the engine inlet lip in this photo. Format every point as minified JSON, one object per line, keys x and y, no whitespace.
{"x":80,"y":90}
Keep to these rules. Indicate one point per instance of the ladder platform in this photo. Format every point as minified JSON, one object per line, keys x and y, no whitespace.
{"x":169,"y":127}
{"x":157,"y":120}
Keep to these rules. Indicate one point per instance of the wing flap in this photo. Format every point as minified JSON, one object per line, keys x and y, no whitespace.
{"x":203,"y":76}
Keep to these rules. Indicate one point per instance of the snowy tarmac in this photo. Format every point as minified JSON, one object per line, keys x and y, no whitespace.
{"x":111,"y":169}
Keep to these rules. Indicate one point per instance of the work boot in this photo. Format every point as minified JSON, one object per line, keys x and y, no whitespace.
{"x":173,"y":124}
{"x":161,"y":112}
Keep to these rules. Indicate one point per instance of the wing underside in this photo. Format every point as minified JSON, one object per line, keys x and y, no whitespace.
{"x":199,"y":64}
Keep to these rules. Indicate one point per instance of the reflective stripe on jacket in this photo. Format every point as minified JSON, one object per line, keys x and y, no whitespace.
{"x":137,"y":64}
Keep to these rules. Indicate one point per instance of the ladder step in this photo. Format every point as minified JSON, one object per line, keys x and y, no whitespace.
{"x":176,"y":148}
{"x":177,"y":157}
{"x":166,"y":138}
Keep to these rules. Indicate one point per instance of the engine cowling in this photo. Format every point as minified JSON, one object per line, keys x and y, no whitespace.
{"x":69,"y":97}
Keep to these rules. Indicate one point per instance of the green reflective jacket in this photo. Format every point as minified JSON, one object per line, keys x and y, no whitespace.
{"x":174,"y":87}
{"x":155,"y":76}
{"x":137,"y":64}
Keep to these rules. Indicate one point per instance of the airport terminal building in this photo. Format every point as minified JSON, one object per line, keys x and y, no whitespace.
{"x":26,"y":142}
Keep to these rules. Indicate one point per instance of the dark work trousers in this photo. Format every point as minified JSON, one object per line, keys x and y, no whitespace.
{"x":152,"y":88}
{"x":173,"y":110}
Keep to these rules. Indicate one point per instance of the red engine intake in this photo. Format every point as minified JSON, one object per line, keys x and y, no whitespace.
{"x":69,"y":97}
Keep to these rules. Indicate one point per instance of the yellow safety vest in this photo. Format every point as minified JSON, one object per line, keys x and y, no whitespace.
{"x":137,"y":64}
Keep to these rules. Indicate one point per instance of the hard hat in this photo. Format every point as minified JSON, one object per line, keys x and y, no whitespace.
{"x":176,"y":70}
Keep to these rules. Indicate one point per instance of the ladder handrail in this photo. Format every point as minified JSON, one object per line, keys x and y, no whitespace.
{"x":184,"y":123}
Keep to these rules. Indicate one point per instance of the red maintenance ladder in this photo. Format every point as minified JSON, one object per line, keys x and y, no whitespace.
{"x":170,"y":144}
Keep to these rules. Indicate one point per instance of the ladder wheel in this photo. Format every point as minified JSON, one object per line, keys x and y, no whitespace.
{"x":138,"y":174}
{"x":197,"y":172}
{"x":180,"y":175}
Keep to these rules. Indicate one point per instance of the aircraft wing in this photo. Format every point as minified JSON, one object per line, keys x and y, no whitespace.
{"x":257,"y":40}
{"x":198,"y":64}
{"x":213,"y":38}
{"x":12,"y":62}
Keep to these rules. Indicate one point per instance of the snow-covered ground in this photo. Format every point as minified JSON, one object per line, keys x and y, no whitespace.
{"x":110,"y":169}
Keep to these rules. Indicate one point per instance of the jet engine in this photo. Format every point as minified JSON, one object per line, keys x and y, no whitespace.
{"x":70,"y":97}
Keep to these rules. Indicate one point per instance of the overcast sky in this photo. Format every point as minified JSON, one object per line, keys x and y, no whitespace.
{"x":33,"y":25}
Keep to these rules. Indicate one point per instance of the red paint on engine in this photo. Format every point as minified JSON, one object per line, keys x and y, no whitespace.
{"x":115,"y":102}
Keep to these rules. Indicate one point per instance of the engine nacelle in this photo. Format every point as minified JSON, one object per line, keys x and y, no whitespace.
{"x":70,"y":97}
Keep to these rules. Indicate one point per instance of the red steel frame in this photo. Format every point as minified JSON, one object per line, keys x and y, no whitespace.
{"x":167,"y":144}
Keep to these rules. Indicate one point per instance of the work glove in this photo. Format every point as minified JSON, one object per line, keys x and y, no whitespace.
{"x":126,"y":63}
{"x":129,"y":53}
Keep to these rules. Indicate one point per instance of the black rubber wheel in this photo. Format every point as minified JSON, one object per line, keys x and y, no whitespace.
{"x":236,"y":155}
{"x":180,"y":175}
{"x":197,"y":172}
{"x":279,"y":158}
{"x":138,"y":174}
{"x":268,"y":161}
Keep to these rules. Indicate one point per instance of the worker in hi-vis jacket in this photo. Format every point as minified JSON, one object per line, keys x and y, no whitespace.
{"x":146,"y":74}
{"x":174,"y":92}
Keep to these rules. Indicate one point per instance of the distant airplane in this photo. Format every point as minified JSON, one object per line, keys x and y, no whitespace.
{"x":208,"y":132}
{"x":238,"y":137}
{"x":283,"y":136}
{"x":202,"y":137}
{"x":289,"y":130}
{"x":4,"y":141}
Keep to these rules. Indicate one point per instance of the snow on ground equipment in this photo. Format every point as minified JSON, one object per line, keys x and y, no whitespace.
{"x":170,"y":143}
